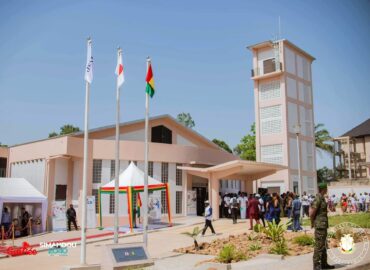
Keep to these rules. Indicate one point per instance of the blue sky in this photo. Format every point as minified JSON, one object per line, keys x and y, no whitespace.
{"x":200,"y":61}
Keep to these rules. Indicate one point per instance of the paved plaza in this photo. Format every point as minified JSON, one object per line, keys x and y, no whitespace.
{"x":161,"y":245}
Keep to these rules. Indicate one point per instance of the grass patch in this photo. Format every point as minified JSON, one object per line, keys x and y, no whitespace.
{"x":304,"y":240}
{"x":229,"y":254}
{"x":360,"y":219}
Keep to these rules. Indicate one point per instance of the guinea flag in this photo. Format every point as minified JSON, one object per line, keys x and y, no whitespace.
{"x":150,"y":81}
{"x":138,"y":202}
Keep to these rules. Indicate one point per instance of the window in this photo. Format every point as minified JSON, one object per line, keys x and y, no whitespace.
{"x":164,"y":175}
{"x":150,"y":168}
{"x":269,"y":65}
{"x":178,"y":202}
{"x":60,"y":192}
{"x":111,"y":203}
{"x":272,"y":153}
{"x":161,"y":134}
{"x":112,"y":169}
{"x":97,"y":165}
{"x":95,"y":193}
{"x":164,"y":209}
{"x":270,"y":118}
{"x":292,"y":88}
{"x":178,"y":175}
{"x":270,"y":90}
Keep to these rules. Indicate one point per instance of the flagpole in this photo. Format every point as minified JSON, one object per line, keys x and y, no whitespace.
{"x":117,"y":167}
{"x":84,"y":177}
{"x":145,"y":201}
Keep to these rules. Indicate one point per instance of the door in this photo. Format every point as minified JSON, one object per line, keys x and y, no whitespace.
{"x":61,"y":192}
{"x":202,"y":196}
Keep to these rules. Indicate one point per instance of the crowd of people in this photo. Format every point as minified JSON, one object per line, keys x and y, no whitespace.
{"x":350,"y":203}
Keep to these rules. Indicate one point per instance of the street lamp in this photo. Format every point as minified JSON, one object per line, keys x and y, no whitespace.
{"x":297,"y":131}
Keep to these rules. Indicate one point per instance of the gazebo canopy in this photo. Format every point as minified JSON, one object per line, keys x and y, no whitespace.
{"x":132,"y":177}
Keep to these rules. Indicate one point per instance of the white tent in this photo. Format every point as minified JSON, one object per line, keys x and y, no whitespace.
{"x":19,"y":190}
{"x":133,"y":177}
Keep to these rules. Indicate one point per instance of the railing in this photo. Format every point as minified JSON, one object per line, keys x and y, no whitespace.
{"x":259,"y":72}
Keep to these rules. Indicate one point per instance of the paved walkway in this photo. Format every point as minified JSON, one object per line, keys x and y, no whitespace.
{"x":161,"y":246}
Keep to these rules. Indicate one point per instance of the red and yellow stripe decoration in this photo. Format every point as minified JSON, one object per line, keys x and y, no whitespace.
{"x":150,"y":80}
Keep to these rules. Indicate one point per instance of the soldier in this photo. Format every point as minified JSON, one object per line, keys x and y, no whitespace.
{"x":319,"y":220}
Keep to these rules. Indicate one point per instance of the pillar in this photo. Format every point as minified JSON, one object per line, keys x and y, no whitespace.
{"x":215,"y":189}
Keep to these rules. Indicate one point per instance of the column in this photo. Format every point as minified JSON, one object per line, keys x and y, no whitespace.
{"x":215,"y":189}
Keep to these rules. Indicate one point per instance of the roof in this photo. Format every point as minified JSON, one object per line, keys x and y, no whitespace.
{"x":19,"y":188}
{"x":167,"y":116}
{"x":250,"y":169}
{"x":361,"y":130}
{"x":270,"y":43}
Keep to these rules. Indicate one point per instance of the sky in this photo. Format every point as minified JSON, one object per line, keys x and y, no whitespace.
{"x":200,"y":62}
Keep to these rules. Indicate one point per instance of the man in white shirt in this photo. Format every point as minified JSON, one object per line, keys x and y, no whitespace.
{"x":242,"y":200}
{"x":227,"y":205}
{"x":208,"y":217}
{"x":305,"y":204}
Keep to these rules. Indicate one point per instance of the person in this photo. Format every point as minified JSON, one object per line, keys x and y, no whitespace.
{"x":261,"y":209}
{"x":24,"y":221}
{"x":277,"y":208}
{"x":6,"y":219}
{"x":227,"y":205}
{"x":362,"y":202}
{"x":269,"y":208}
{"x":296,"y":212}
{"x":367,"y":202}
{"x":208,"y":218}
{"x":71,"y":217}
{"x":319,"y":221}
{"x":242,"y":200}
{"x":234,"y":208}
{"x":253,"y":212}
{"x":344,"y":204}
{"x":305,"y":204}
{"x":288,"y":205}
{"x":220,"y":207}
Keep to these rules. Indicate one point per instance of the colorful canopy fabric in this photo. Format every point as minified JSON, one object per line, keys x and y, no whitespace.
{"x":133,"y":177}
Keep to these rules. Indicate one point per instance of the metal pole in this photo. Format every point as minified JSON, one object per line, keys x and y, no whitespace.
{"x":84,"y":178}
{"x":117,"y":167}
{"x":145,"y":200}
{"x":349,"y":158}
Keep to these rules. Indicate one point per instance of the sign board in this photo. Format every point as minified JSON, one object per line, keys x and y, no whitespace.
{"x":59,"y":219}
{"x":124,"y":256}
{"x":91,"y":214}
{"x":154,"y":207}
{"x":191,"y":202}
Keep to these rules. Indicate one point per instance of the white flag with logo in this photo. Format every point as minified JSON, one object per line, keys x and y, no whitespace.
{"x":119,"y":70}
{"x":89,"y":64}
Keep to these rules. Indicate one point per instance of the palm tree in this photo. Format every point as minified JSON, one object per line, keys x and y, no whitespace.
{"x":194,"y":235}
{"x":322,"y":139}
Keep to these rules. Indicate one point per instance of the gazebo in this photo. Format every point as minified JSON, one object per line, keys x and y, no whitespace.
{"x":131,"y":182}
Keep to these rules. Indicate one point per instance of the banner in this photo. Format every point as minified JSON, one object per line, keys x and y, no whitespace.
{"x":154,"y":207}
{"x":91,"y":213}
{"x":191,"y":202}
{"x":59,"y":219}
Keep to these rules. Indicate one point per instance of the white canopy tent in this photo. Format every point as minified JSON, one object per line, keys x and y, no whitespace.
{"x":131,"y":182}
{"x":19,"y":190}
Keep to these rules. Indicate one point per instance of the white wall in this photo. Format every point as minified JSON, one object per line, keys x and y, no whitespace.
{"x":33,"y":171}
{"x":291,"y":88}
{"x":77,"y":175}
{"x":61,"y":172}
{"x":137,"y":135}
{"x":182,"y":141}
{"x":290,"y":61}
{"x":293,"y":154}
{"x":279,"y":183}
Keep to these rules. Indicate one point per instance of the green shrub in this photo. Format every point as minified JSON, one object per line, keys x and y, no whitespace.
{"x":252,"y":236}
{"x":229,"y":253}
{"x":255,"y":246}
{"x":280,"y":248}
{"x":304,"y":240}
{"x":275,"y":231}
{"x":258,"y":228}
{"x":331,"y":234}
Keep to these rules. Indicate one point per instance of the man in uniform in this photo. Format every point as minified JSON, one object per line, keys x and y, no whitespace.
{"x":319,"y":220}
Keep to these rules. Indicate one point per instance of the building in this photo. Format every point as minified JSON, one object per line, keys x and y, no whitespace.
{"x":284,"y":108}
{"x":4,"y":154}
{"x":54,"y":165}
{"x":352,"y":153}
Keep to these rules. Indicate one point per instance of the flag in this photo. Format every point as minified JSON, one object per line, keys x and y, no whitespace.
{"x":89,"y":64}
{"x":119,"y":69}
{"x":150,"y":81}
{"x":138,"y":201}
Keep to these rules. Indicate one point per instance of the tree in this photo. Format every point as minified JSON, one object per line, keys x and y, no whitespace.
{"x":246,"y":149}
{"x":3,"y":145}
{"x":64,"y":130}
{"x":222,"y":144}
{"x":186,"y":120}
{"x":325,"y":175}
{"x":322,"y":139}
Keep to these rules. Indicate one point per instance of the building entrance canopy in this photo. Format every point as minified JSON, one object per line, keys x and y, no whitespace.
{"x":236,"y":169}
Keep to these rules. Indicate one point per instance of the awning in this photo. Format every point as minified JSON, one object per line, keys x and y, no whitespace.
{"x":249,"y":170}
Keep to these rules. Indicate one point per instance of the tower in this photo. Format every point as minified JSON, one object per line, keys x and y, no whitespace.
{"x":284,"y":113}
